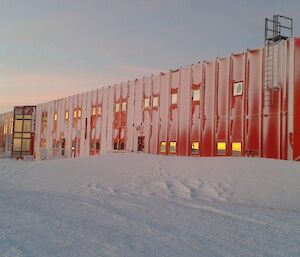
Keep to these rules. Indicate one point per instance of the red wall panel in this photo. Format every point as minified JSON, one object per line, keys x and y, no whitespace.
{"x":173,"y":110}
{"x":154,"y":129}
{"x":237,"y":102}
{"x":208,"y":105}
{"x":254,"y":103}
{"x":222,"y":101}
{"x":296,"y":134}
{"x":164,"y":109}
{"x":196,"y":107}
{"x":184,"y":144}
{"x":147,"y":113}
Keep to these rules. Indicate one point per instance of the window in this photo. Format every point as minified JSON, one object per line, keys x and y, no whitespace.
{"x":27,"y":126}
{"x":17,"y":144}
{"x":27,"y":117}
{"x":124,"y":106}
{"x":195,"y":147}
{"x":155,"y":101}
{"x":5,"y":129}
{"x":18,"y":125}
{"x":117,"y":107}
{"x":174,"y":98}
{"x":55,"y":116}
{"x":94,"y":111}
{"x":79,"y":113}
{"x":115,"y":146}
{"x":236,"y":148}
{"x":66,"y":115}
{"x":75,"y":114}
{"x":196,"y":95}
{"x":238,"y":88}
{"x":221,"y":148}
{"x":173,"y":147}
{"x":25,"y":144}
{"x":97,"y":145}
{"x":26,"y":135}
{"x":99,"y":110}
{"x":163,"y":147}
{"x":146,"y":103}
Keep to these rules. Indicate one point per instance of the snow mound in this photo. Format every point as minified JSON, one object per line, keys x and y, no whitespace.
{"x":246,"y":181}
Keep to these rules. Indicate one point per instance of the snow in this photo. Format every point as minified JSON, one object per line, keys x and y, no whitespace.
{"x":147,"y":205}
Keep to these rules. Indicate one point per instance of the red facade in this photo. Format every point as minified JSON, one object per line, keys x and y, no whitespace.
{"x":224,"y":107}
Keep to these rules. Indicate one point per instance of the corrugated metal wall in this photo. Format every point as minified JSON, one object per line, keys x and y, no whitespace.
{"x":219,"y":107}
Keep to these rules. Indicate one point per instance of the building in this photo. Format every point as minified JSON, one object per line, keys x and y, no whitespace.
{"x":246,"y":104}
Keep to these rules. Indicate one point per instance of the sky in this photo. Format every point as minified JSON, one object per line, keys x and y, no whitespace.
{"x":55,"y":48}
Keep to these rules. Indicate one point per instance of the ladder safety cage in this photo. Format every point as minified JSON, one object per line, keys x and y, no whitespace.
{"x":276,"y":29}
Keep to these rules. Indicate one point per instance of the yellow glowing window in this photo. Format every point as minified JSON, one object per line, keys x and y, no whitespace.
{"x":155,"y":101}
{"x":27,"y":117}
{"x":117,"y":107}
{"x":173,"y":147}
{"x":163,"y":147}
{"x":79,"y":113}
{"x":221,"y":146}
{"x":237,"y":146}
{"x":5,"y":129}
{"x":146,"y":103}
{"x":195,"y":147}
{"x":17,"y":144}
{"x":174,"y":98}
{"x":75,"y":114}
{"x":27,"y":126}
{"x":18,"y":126}
{"x":55,"y":116}
{"x":94,"y":111}
{"x":66,"y":115}
{"x":124,"y":106}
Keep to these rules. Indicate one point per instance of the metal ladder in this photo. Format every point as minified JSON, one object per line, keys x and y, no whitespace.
{"x":270,"y":74}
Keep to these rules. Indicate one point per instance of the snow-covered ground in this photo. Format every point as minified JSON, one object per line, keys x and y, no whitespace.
{"x":146,"y":205}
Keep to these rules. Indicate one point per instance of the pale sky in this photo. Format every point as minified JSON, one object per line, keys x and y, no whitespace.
{"x":54,"y":48}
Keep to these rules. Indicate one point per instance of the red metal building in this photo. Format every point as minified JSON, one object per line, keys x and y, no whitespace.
{"x":240,"y":105}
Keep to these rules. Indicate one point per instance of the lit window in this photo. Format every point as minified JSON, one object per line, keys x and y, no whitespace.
{"x":79,"y":113}
{"x":155,"y":101}
{"x":146,"y":103}
{"x":117,"y":108}
{"x":238,"y":89}
{"x":221,"y":147}
{"x":55,"y":116}
{"x":94,"y":111}
{"x":173,"y":147}
{"x":124,"y":106}
{"x":163,"y":147}
{"x":5,"y":130}
{"x":195,"y":147}
{"x":75,"y":114}
{"x":66,"y":115}
{"x":174,"y":98}
{"x":196,"y":95}
{"x":236,"y":148}
{"x":27,"y":117}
